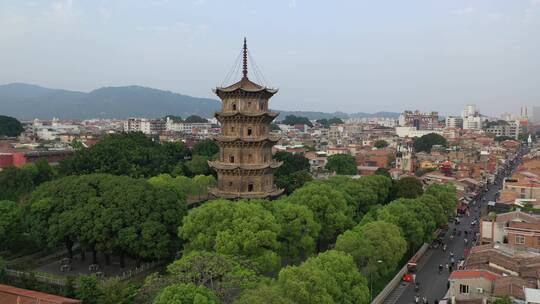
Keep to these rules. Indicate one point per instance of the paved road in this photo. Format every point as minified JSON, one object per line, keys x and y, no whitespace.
{"x":433,"y":285}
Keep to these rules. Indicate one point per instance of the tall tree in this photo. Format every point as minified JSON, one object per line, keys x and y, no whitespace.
{"x":296,"y":120}
{"x":224,"y":275}
{"x":330,"y":277}
{"x":407,"y":187}
{"x":299,"y":229}
{"x":342,"y":164}
{"x":11,"y":221}
{"x":206,"y":147}
{"x":376,"y":247}
{"x":446,"y":195}
{"x":400,"y":213}
{"x":329,"y":207}
{"x":131,"y":154}
{"x":242,"y":229}
{"x":381,"y":143}
{"x":10,"y":126}
{"x":186,"y":294}
{"x":426,"y":142}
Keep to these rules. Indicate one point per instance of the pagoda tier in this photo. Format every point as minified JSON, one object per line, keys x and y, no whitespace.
{"x":246,"y":195}
{"x":272,"y":138}
{"x":228,"y":166}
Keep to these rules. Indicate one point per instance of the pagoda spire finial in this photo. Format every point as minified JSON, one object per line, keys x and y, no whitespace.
{"x":245,"y":66}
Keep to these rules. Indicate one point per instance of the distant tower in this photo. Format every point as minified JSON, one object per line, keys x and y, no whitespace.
{"x":245,"y":167}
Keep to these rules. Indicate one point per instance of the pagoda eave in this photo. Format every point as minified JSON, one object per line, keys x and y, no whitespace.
{"x":245,"y":195}
{"x":248,"y":167}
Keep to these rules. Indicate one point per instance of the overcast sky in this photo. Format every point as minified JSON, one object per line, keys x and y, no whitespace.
{"x":351,"y":56}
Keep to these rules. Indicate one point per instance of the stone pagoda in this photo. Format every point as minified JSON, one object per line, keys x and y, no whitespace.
{"x":245,"y":167}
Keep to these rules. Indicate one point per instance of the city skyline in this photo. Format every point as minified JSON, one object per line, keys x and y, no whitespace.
{"x":381,"y":57}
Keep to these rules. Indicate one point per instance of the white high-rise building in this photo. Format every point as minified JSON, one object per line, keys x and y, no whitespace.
{"x":453,"y":122}
{"x":471,"y":118}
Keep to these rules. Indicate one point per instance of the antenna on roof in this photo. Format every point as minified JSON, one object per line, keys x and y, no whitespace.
{"x":245,"y":65}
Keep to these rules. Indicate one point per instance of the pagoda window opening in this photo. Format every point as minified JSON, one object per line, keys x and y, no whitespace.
{"x":230,"y":184}
{"x":249,"y":131}
{"x":231,"y":159}
{"x":250,"y":187}
{"x":234,"y":107}
{"x":250,"y":157}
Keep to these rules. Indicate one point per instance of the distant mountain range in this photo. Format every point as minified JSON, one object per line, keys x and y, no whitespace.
{"x":26,"y":101}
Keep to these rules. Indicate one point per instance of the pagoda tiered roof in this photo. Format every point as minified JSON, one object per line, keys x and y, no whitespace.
{"x":245,"y":195}
{"x":244,"y":85}
{"x":226,"y":138}
{"x":233,"y":166}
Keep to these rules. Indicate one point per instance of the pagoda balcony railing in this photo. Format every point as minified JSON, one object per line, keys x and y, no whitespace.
{"x":247,"y":113}
{"x":245,"y":195}
{"x":227,"y":138}
{"x":231,"y":166}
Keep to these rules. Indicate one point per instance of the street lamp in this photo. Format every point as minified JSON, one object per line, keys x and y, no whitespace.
{"x":371,"y":284}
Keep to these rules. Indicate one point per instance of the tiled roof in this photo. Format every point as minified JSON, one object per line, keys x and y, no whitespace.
{"x":10,"y":295}
{"x":468,"y":274}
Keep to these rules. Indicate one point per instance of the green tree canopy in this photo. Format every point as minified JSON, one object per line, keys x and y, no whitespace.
{"x":380,"y":184}
{"x":206,"y":147}
{"x":195,"y":119}
{"x":296,"y":120}
{"x":360,"y":197}
{"x":407,"y":187}
{"x":111,"y":214}
{"x":371,"y":243}
{"x":342,"y":164}
{"x":242,"y":229}
{"x":329,"y":207}
{"x":446,"y":195}
{"x":131,"y":154}
{"x":11,"y":221}
{"x":400,"y":213}
{"x":198,"y":165}
{"x":381,"y":143}
{"x":293,"y":173}
{"x":186,"y":294}
{"x":299,"y":229}
{"x":263,"y":294}
{"x":424,"y":143}
{"x":330,"y":277}
{"x":10,"y":126}
{"x":224,"y":275}
{"x":291,"y":163}
{"x":16,"y":183}
{"x":328,"y":122}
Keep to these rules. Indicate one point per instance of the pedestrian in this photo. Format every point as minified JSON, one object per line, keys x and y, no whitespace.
{"x":414,"y":278}
{"x":416,"y":299}
{"x":450,"y":268}
{"x":440,"y":268}
{"x":451,"y":254}
{"x":447,"y":266}
{"x":424,"y":300}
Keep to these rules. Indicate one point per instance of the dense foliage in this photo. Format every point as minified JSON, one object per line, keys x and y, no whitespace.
{"x":296,"y":120}
{"x":10,"y":126}
{"x":342,"y":164}
{"x":195,"y":119}
{"x":116,"y":215}
{"x":293,"y":173}
{"x":426,"y":142}
{"x":328,"y":122}
{"x":381,"y":143}
{"x":17,"y":183}
{"x":207,"y":148}
{"x":407,"y":187}
{"x":132,"y":154}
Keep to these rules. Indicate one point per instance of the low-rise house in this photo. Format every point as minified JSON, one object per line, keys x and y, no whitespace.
{"x":504,"y":228}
